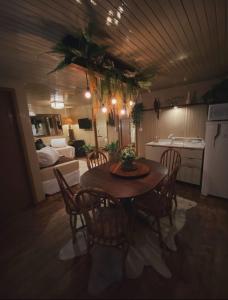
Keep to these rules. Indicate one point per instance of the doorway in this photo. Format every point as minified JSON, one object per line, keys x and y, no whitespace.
{"x":16,"y":194}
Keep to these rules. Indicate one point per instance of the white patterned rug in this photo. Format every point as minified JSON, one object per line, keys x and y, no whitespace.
{"x":107,"y":262}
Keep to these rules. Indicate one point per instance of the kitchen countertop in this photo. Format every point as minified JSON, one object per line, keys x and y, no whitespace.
{"x":178,"y":144}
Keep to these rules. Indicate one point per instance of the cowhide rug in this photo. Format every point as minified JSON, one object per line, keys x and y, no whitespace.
{"x":107,"y":262}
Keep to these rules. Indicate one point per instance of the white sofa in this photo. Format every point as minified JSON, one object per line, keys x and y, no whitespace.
{"x":49,"y":158}
{"x":70,"y":171}
{"x":62,"y":148}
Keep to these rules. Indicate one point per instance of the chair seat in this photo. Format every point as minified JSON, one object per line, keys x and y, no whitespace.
{"x":152,"y":204}
{"x":107,"y":227}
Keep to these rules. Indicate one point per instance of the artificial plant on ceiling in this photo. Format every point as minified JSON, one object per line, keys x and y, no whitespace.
{"x":115,"y":76}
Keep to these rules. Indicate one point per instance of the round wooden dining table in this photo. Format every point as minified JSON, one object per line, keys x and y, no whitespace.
{"x":124,"y":188}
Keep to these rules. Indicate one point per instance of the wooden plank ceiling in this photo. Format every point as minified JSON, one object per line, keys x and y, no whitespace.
{"x":185,"y":40}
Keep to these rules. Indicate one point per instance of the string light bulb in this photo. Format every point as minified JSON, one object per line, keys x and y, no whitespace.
{"x":87,"y":92}
{"x":104,"y":109}
{"x":123,"y":111}
{"x":114,"y":101}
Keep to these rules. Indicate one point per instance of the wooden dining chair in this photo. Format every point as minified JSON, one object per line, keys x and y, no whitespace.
{"x":96,"y":158}
{"x":171,"y":159}
{"x":158,"y":203}
{"x":71,"y":207}
{"x":106,"y":221}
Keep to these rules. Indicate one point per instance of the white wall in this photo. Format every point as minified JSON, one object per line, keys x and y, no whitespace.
{"x":178,"y":94}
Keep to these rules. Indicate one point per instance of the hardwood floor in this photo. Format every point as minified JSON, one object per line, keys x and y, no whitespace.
{"x":30,"y":267}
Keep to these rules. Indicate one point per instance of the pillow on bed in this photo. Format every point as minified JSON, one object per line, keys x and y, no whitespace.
{"x":47,"y":156}
{"x":58,"y":143}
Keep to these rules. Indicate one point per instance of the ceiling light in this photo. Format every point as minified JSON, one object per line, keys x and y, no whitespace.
{"x":131,"y":103}
{"x":78,"y":1}
{"x":114,"y":101}
{"x":116,"y":22}
{"x":182,"y":57}
{"x":57,"y":101}
{"x":93,"y":2}
{"x":104,"y":109}
{"x":118,"y":14}
{"x":120,"y":9}
{"x":110,"y":13}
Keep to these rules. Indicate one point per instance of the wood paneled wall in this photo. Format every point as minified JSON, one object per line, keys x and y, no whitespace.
{"x":182,"y":122}
{"x":188,"y":121}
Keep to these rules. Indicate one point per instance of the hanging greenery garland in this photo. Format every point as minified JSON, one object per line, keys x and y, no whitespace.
{"x":115,"y":76}
{"x":136,"y":113}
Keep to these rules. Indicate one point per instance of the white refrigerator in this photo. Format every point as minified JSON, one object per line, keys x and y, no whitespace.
{"x":215,"y":168}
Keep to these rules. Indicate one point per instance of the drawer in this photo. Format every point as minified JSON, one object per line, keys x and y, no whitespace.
{"x":192,"y":153}
{"x":191,"y":162}
{"x":190,"y":175}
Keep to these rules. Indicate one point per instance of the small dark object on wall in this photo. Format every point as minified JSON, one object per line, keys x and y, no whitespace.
{"x":157,"y":107}
{"x":111,"y":119}
{"x":217,"y":94}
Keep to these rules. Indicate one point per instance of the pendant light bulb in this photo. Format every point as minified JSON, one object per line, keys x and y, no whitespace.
{"x":104,"y":109}
{"x":114,"y":101}
{"x":87,"y":93}
{"x":123,"y":111}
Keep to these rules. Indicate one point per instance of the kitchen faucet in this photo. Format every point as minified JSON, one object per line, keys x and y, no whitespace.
{"x":171,"y":136}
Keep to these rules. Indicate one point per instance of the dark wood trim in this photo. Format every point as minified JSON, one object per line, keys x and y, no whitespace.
{"x":21,"y":140}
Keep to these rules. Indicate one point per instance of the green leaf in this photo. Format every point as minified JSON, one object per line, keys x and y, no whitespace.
{"x":60,"y":66}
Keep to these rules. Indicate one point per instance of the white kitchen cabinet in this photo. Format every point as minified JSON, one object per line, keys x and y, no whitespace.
{"x":191,"y":162}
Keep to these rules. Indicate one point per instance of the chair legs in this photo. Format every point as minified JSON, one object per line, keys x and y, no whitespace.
{"x":159,"y":233}
{"x":171,"y":219}
{"x":73,"y":225}
{"x":126,"y":248}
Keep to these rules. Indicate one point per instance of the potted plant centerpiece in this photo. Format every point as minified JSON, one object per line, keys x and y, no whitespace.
{"x":128,"y":157}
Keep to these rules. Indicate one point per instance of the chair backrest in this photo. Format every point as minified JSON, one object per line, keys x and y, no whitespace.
{"x":164,"y":196}
{"x":98,"y":209}
{"x":67,"y":193}
{"x":96,"y":158}
{"x":171,"y":159}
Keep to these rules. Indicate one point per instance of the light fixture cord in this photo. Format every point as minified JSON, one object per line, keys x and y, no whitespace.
{"x":87,"y":82}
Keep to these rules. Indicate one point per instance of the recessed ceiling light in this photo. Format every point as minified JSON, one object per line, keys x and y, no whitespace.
{"x":120,"y":9}
{"x":116,"y":22}
{"x":118,"y":14}
{"x":109,"y":20}
{"x":182,"y":57}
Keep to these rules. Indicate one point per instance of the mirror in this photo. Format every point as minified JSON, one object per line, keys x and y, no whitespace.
{"x":46,"y":125}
